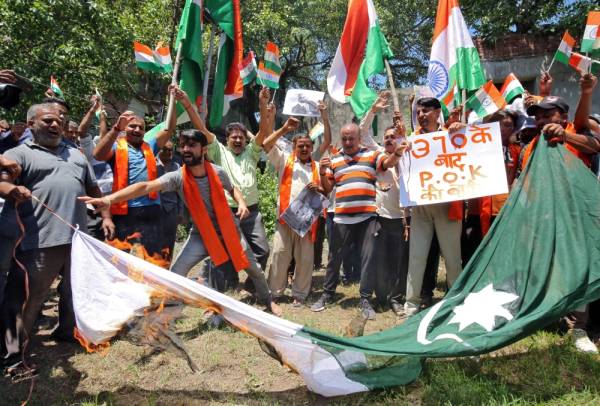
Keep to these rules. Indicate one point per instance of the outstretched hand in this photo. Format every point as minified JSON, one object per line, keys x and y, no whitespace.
{"x":99,"y":203}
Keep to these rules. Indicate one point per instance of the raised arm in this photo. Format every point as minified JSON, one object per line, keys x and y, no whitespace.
{"x":86,"y":121}
{"x":545,"y":84}
{"x":392,"y":160}
{"x":123,"y":195}
{"x":195,"y":118}
{"x":326,"y":182}
{"x":290,"y":125}
{"x":324,"y":147}
{"x":267,"y":116}
{"x":366,"y":139}
{"x":584,"y":108}
{"x":103,"y":151}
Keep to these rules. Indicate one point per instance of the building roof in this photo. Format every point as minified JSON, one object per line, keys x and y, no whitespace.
{"x":516,"y":46}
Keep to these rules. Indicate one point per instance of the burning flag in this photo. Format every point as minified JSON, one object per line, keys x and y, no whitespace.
{"x":515,"y":283}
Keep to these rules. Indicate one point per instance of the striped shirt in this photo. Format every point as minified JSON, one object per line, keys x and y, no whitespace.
{"x":355,"y":178}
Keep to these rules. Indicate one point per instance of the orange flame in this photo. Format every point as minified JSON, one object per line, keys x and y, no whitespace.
{"x":138,"y":250}
{"x":101,"y":349}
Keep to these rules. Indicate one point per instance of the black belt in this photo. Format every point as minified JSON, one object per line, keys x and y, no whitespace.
{"x":254,"y":207}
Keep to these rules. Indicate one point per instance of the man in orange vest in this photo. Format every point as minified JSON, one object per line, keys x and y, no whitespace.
{"x":133,"y":160}
{"x":443,"y":219}
{"x":215,"y":232}
{"x":296,"y":171}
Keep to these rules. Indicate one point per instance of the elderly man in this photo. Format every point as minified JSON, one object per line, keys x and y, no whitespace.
{"x":133,"y":160}
{"x":56,"y":174}
{"x":441,"y":221}
{"x":353,"y":172}
{"x":215,"y":234}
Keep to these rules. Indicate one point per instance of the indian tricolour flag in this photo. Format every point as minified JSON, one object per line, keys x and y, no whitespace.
{"x":55,"y":87}
{"x":359,"y":58}
{"x":563,"y":53}
{"x":144,"y":57}
{"x":454,"y":59}
{"x":272,"y":57}
{"x":248,"y":68}
{"x":162,"y":57}
{"x":584,"y":64}
{"x":268,"y":77}
{"x":511,"y":88}
{"x":591,"y":35}
{"x":486,"y":100}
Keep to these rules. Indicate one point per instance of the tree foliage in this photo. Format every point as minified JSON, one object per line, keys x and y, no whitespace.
{"x":88,"y":43}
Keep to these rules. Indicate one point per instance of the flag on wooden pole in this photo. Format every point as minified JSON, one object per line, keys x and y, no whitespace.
{"x":486,"y":100}
{"x":511,"y":88}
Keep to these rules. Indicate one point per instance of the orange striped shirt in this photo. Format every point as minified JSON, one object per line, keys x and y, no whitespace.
{"x":355,"y":178}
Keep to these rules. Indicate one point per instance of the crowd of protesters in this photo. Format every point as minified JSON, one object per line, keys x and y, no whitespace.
{"x":124,"y":184}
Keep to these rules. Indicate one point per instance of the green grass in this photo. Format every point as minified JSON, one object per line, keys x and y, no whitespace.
{"x":541,"y":369}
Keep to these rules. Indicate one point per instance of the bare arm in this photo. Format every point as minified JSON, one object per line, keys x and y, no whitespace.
{"x":584,"y":108}
{"x":267,"y":116}
{"x":324,"y":147}
{"x":195,"y":118}
{"x":123,"y":195}
{"x":84,"y":126}
{"x":392,"y":160}
{"x":583,"y":143}
{"x":103,"y":151}
{"x":242,"y":211}
{"x":290,"y":125}
{"x":326,"y":183}
{"x":545,"y":84}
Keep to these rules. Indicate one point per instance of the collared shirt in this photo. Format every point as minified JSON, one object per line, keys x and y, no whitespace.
{"x":56,"y":178}
{"x":241,"y":169}
{"x":301,"y":174}
{"x":138,"y":172}
{"x":355,"y":178}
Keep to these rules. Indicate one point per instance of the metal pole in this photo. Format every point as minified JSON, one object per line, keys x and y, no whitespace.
{"x":209,"y":57}
{"x":172,"y":103}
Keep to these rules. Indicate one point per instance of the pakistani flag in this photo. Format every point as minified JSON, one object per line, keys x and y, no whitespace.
{"x":454,"y":60}
{"x":540,"y":260}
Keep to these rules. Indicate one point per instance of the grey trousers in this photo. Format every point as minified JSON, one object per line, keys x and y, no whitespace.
{"x":43,"y":266}
{"x":254,"y":231}
{"x":425,"y":220}
{"x":193,"y":252}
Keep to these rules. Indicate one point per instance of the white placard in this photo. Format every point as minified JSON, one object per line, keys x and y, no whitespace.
{"x":301,"y":102}
{"x":445,"y":168}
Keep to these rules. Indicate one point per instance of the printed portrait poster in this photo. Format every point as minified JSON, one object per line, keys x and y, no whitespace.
{"x":304,"y":210}
{"x":301,"y":102}
{"x":461,"y":166}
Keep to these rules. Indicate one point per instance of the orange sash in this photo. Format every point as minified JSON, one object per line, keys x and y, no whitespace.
{"x":121,"y":172}
{"x":233,"y":247}
{"x":285,"y":189}
{"x":581,"y":155}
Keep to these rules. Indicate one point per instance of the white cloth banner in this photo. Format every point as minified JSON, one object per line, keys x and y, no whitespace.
{"x":461,"y":166}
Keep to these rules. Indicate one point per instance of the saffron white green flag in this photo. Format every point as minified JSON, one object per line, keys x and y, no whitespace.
{"x":248,"y":69}
{"x":454,"y":60}
{"x":268,"y":77}
{"x":563,"y":53}
{"x":55,"y":87}
{"x":584,"y":64}
{"x":511,"y":88}
{"x":486,"y":100}
{"x":591,"y":35}
{"x":272,"y":62}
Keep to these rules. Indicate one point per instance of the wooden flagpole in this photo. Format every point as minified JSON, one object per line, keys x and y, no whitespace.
{"x":172,"y":103}
{"x":209,"y":57}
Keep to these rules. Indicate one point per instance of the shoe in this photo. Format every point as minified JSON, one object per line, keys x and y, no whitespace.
{"x":410,"y":309}
{"x":367,"y":310}
{"x":319,"y":305}
{"x":215,"y":321}
{"x":297,"y":303}
{"x":397,"y":308}
{"x":583,"y":342}
{"x":426,"y":301}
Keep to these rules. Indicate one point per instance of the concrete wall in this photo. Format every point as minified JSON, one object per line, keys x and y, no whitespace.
{"x":565,"y":78}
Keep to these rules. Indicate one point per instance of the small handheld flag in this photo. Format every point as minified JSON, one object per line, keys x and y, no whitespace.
{"x":99,"y":110}
{"x":511,"y":88}
{"x":56,"y":88}
{"x":563,"y":53}
{"x":584,"y":64}
{"x":268,"y":77}
{"x":591,"y":35}
{"x":248,"y":68}
{"x":162,"y":57}
{"x":158,"y":60}
{"x":486,"y":100}
{"x":272,"y":58}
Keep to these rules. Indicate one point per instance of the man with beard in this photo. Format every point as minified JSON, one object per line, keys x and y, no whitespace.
{"x":441,"y":221}
{"x":133,"y":160}
{"x":56,"y":174}
{"x":215,"y":234}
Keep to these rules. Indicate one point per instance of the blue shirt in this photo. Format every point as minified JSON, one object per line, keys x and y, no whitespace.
{"x":138,"y":171}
